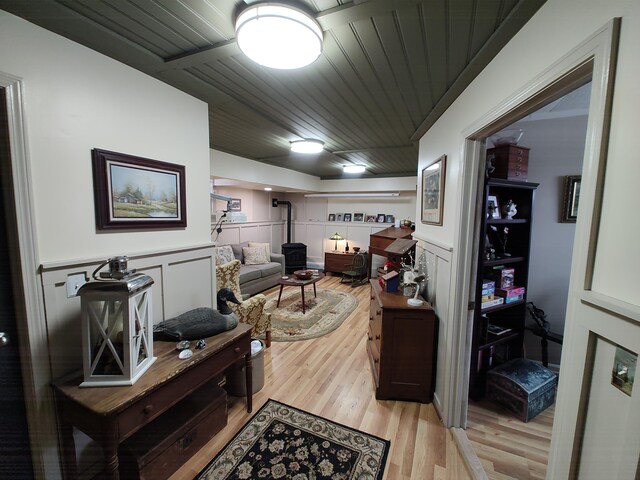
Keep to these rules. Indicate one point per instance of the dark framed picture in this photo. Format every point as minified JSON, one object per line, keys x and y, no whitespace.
{"x":332,"y":217}
{"x":358,"y":217}
{"x":338,"y":217}
{"x":493,"y":208}
{"x":137,"y":193}
{"x":571,"y":197}
{"x":371,"y":218}
{"x":347,"y":217}
{"x":380,"y":218}
{"x":235,"y":205}
{"x":433,"y":177}
{"x":389,"y":219}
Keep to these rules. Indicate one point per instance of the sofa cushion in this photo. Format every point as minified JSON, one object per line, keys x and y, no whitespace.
{"x":249,"y":272}
{"x":266,"y":246}
{"x":271,"y":268}
{"x":254,"y":256}
{"x":237,"y":250}
{"x":224,"y":254}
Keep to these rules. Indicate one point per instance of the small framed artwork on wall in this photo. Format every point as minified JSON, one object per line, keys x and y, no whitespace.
{"x":347,"y":217}
{"x":433,"y":177}
{"x":332,"y":217}
{"x":358,"y":217}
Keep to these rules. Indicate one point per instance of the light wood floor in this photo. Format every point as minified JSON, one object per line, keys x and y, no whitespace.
{"x":506,"y":447}
{"x":330,"y":376}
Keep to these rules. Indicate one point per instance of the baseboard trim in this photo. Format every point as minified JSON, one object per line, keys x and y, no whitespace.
{"x":471,"y":460}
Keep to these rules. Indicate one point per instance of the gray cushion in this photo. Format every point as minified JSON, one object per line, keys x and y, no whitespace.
{"x":237,"y":250}
{"x":270,"y":268}
{"x":248,"y":273}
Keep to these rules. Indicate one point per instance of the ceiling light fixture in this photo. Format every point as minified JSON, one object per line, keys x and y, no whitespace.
{"x":353,"y":168}
{"x":268,"y":189}
{"x":278,"y":36}
{"x":307,"y":146}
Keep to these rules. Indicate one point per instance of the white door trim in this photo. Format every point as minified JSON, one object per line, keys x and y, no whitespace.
{"x":30,"y":316}
{"x":597,"y":55}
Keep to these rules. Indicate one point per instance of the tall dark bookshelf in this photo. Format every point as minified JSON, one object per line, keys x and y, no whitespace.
{"x":491,"y":349}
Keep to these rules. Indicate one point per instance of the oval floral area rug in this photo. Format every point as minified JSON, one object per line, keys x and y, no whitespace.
{"x":324,"y":313}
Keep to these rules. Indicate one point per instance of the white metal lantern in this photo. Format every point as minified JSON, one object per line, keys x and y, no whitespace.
{"x":117,"y":329}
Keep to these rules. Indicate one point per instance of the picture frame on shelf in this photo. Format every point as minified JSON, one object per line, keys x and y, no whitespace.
{"x":347,"y":217}
{"x":332,"y":217}
{"x":235,"y":205}
{"x":389,"y":219}
{"x":371,"y":218}
{"x":433,"y":182}
{"x":338,"y":217}
{"x":571,"y":198}
{"x":358,"y":217}
{"x":380,"y":218}
{"x":493,"y":208}
{"x":137,"y":193}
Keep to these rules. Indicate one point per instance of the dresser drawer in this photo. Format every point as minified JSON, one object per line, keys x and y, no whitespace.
{"x":156,"y":403}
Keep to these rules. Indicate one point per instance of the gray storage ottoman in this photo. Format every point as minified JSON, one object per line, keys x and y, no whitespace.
{"x":524,"y":386}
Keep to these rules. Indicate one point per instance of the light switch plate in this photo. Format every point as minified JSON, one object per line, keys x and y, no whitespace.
{"x":74,"y":282}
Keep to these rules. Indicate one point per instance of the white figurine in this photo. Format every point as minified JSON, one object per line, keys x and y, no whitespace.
{"x":509,"y":210}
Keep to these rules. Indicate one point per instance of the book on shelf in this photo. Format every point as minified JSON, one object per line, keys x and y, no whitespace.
{"x":497,"y":329}
{"x":492,"y":303}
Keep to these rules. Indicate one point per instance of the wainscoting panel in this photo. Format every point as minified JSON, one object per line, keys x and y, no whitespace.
{"x":438,"y":292}
{"x":183,"y":279}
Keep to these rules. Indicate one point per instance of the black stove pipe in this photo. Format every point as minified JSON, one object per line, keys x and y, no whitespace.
{"x":274,"y":203}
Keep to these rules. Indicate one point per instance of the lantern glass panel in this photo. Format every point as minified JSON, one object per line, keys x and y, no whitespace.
{"x":106,"y":320}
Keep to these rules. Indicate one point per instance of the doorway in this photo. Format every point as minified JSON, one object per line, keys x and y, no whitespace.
{"x":554,"y":138}
{"x":14,"y":437}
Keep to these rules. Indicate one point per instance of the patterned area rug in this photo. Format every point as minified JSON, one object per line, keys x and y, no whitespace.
{"x":323,"y":314}
{"x":283,"y":442}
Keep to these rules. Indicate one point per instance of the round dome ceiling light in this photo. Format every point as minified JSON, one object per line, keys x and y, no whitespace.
{"x":353,"y":168}
{"x":278,"y":36}
{"x":307,"y":146}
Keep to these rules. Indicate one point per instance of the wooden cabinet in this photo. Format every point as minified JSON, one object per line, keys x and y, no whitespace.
{"x":498,"y":329}
{"x":402,"y":347}
{"x":337,"y":262}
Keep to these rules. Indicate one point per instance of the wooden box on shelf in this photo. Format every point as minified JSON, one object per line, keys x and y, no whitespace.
{"x":509,"y":161}
{"x":402,"y":346}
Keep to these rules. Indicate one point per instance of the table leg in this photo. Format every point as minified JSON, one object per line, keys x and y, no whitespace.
{"x":279,"y":296}
{"x":70,"y":468}
{"x":314,"y":291}
{"x":302,"y":288}
{"x":110,"y":449}
{"x":249,"y":379}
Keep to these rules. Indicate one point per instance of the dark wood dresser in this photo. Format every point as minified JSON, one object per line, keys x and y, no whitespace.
{"x":337,"y":262}
{"x":402,"y":346}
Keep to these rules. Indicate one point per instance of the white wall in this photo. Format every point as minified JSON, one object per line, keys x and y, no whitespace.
{"x":76,"y":100}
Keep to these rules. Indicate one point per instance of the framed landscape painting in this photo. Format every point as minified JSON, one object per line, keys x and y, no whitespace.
{"x":137,"y":193}
{"x":433,"y":176}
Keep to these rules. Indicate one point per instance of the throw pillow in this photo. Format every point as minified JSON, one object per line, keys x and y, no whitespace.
{"x":266,"y":246}
{"x":224,"y":254}
{"x":254,"y":256}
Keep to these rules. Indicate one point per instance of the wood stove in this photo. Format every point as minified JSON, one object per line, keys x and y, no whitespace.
{"x":295,"y":256}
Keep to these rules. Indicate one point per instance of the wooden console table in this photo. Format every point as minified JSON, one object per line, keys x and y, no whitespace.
{"x":109,"y":415}
{"x":337,"y":262}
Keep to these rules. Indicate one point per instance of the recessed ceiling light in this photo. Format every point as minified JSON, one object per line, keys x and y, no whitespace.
{"x":307,"y":146}
{"x":268,"y":189}
{"x":353,"y":168}
{"x":278,"y":36}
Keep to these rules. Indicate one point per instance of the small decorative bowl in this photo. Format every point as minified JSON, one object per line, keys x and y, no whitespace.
{"x":356,"y":249}
{"x":303,"y":274}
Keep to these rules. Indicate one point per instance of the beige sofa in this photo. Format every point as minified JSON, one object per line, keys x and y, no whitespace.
{"x":256,"y":278}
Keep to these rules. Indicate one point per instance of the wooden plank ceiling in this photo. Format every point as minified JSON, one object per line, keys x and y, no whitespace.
{"x":387,"y":71}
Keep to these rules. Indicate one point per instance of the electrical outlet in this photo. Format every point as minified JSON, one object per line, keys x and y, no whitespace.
{"x":74,"y":282}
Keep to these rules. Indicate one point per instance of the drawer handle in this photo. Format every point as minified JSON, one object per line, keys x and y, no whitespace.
{"x":237,"y":349}
{"x":186,"y":441}
{"x":148,"y":409}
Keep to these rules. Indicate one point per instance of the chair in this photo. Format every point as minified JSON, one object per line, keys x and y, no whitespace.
{"x":251,"y":310}
{"x":356,"y":272}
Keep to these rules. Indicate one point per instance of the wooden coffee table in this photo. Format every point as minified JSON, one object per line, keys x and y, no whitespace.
{"x":292,"y":281}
